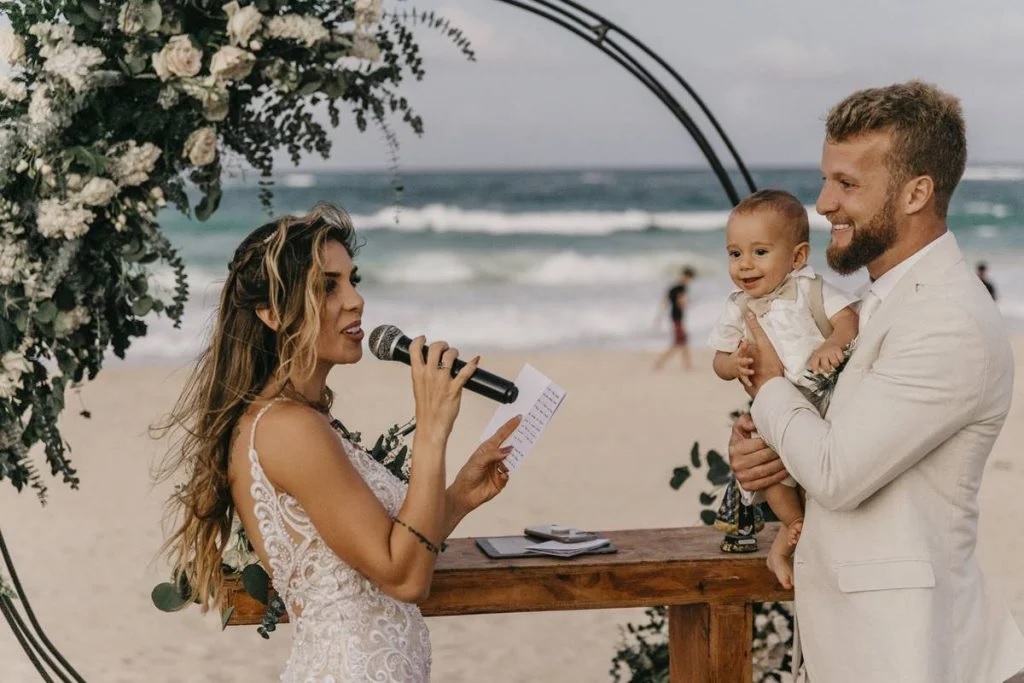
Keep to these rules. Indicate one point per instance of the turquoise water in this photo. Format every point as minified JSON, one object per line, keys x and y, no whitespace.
{"x":543,"y":259}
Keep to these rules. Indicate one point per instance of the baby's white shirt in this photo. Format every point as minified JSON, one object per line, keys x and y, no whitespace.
{"x":789,"y":324}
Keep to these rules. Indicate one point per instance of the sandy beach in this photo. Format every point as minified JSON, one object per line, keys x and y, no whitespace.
{"x":88,"y":559}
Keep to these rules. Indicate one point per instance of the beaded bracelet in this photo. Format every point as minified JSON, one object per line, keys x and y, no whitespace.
{"x":423,"y":539}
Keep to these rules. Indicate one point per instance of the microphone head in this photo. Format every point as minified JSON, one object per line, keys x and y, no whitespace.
{"x":382,"y":341}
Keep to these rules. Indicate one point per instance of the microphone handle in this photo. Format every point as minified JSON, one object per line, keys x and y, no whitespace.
{"x":480,"y":382}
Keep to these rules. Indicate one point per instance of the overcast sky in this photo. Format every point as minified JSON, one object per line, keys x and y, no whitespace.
{"x":538,"y":96}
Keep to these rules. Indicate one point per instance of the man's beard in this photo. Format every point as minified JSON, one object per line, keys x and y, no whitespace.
{"x":867,"y":243}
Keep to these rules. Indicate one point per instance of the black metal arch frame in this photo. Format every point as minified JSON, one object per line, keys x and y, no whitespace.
{"x":619,"y":44}
{"x":607,"y":37}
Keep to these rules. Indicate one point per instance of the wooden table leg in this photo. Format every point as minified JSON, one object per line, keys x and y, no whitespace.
{"x":710,"y":643}
{"x":688,"y":651}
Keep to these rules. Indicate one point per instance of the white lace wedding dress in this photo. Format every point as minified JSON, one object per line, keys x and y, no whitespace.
{"x":346,"y":629}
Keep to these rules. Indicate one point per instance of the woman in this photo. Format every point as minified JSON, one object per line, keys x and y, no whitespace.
{"x":349,"y":547}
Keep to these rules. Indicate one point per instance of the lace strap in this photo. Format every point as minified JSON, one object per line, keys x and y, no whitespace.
{"x":252,"y":432}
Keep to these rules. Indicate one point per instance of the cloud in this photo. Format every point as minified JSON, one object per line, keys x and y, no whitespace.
{"x":784,"y":58}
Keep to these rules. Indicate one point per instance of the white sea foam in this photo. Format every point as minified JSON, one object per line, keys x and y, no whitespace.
{"x":994,"y":173}
{"x":448,"y":218}
{"x":534,"y":267}
{"x":979,"y":208}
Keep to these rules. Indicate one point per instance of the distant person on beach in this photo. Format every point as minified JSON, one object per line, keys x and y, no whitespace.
{"x":809,"y":321}
{"x":982,"y":270}
{"x":349,"y":546}
{"x":888,"y":586}
{"x":676,"y":301}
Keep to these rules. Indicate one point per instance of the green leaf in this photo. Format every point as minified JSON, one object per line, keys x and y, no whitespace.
{"x":91,"y":10}
{"x":142,"y":306}
{"x":707,"y":517}
{"x":167,"y":598}
{"x":707,"y":498}
{"x":8,"y":338}
{"x":47,"y":312}
{"x":256,"y":582}
{"x":719,"y":473}
{"x":152,"y":16}
{"x":225,"y":617}
{"x":209,"y":204}
{"x":335,"y":87}
{"x":679,"y":476}
{"x":310,"y":87}
{"x":695,"y":455}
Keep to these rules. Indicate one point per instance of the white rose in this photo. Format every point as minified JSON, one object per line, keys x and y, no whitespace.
{"x":243,"y":22}
{"x":97,"y":192}
{"x":129,"y":19}
{"x":364,"y":47}
{"x":12,"y":47}
{"x":201,"y":146}
{"x":9,"y":386}
{"x":15,"y":363}
{"x":180,"y":58}
{"x":232,"y":63}
{"x":15,"y":91}
{"x":367,"y":13}
{"x":160,"y":66}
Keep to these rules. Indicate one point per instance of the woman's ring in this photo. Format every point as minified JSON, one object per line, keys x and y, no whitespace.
{"x":441,"y":365}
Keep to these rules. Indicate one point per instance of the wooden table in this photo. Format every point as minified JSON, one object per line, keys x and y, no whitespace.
{"x":710,"y":594}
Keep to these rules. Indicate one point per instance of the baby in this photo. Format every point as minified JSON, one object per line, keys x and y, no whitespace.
{"x":809,"y":322}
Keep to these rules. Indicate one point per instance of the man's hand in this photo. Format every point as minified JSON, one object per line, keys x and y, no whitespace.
{"x":755,"y":465}
{"x":765,"y":361}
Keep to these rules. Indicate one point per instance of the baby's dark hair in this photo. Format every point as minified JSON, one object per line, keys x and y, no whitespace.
{"x":785,"y":205}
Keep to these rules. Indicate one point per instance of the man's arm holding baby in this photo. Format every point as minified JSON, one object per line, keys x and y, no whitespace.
{"x":829,"y":355}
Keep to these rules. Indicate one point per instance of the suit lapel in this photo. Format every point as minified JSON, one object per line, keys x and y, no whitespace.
{"x":933,"y":268}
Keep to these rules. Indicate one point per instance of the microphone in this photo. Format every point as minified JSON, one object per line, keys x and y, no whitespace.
{"x":388,"y":343}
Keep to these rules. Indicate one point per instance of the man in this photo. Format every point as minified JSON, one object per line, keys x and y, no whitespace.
{"x":675,"y":300}
{"x":982,"y":270}
{"x":888,"y":587}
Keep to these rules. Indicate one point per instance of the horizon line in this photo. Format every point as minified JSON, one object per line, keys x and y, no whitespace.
{"x":781,"y":166}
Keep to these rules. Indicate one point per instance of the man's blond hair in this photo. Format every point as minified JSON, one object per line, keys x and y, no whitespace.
{"x":927,"y":127}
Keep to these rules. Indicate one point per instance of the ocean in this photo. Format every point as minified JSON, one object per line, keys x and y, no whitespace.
{"x":545,"y":259}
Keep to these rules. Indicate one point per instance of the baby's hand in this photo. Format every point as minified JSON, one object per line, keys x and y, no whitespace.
{"x":742,"y":362}
{"x":826,"y":358}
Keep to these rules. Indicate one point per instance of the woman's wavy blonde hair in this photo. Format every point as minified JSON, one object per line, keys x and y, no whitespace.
{"x":277,"y":268}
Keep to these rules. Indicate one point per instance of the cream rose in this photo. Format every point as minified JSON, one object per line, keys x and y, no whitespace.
{"x":232,"y":63}
{"x":243,"y":22}
{"x":365,"y":47}
{"x":367,"y":13}
{"x":178,"y":58}
{"x":12,"y":47}
{"x":201,"y":146}
{"x":97,"y":192}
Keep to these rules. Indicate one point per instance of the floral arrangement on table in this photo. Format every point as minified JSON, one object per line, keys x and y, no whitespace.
{"x":642,"y":655}
{"x":112,"y":109}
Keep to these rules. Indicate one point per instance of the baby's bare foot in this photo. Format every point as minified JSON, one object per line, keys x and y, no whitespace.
{"x":794,"y":532}
{"x":782,"y":565}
